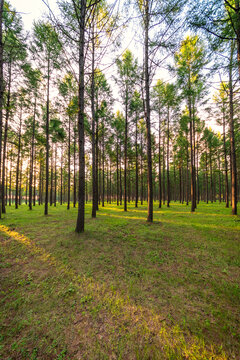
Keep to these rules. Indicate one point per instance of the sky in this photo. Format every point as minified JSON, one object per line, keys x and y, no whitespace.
{"x":31,"y":10}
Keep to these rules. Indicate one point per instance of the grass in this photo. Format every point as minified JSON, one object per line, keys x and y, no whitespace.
{"x":124,"y":289}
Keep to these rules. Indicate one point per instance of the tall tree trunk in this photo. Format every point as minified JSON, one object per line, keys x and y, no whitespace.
{"x":125,"y":151}
{"x":69,"y":165}
{"x":103,"y":172}
{"x":219,"y":180}
{"x":26,"y":192}
{"x":74,"y":172}
{"x":5,"y":137}
{"x":232,"y":138}
{"x":40,"y":183}
{"x":180,"y":184}
{"x":32,"y":154}
{"x":81,"y":177}
{"x":34,"y":182}
{"x":94,"y":190}
{"x":211,"y":175}
{"x":110,"y":181}
{"x":117,"y":173}
{"x":187,"y":179}
{"x":164,"y":184}
{"x":120,"y":174}
{"x":147,"y":114}
{"x":20,"y":184}
{"x":141,"y":169}
{"x":168,"y":177}
{"x":225,"y":162}
{"x":47,"y":140}
{"x":1,"y":95}
{"x":136,"y":161}
{"x":97,"y":163}
{"x":206,"y":179}
{"x":51,"y":179}
{"x":159,"y":164}
{"x":61,"y":178}
{"x":10,"y":182}
{"x":107,"y":184}
{"x":175,"y":180}
{"x":191,"y":157}
{"x":18,"y":160}
{"x":55,"y":178}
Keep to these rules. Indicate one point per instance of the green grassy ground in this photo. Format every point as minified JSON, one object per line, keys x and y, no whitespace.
{"x":124,"y":289}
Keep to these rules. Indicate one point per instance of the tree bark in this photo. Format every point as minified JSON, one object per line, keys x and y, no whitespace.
{"x":32,"y":154}
{"x":81,"y":183}
{"x":147,"y":115}
{"x":94,"y":190}
{"x":69,"y":165}
{"x":18,"y":160}
{"x":232,"y":139}
{"x":159,"y":164}
{"x":5,"y":138}
{"x":1,"y":95}
{"x":47,"y":140}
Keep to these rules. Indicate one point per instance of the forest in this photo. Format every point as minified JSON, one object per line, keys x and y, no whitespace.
{"x":120,"y":180}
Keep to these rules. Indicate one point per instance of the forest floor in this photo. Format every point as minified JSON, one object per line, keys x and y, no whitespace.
{"x":124,"y":289}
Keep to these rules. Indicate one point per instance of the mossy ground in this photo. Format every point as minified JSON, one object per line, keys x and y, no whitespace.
{"x":125,"y":289}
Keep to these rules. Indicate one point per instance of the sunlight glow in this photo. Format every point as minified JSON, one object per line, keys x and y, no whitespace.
{"x":144,"y":323}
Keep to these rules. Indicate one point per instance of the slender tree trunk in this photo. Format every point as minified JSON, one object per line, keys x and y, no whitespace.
{"x":6,"y":191}
{"x":55,"y":178}
{"x":125,"y":151}
{"x":40,"y":183}
{"x":47,"y":140}
{"x":10,"y":182}
{"x":141,"y":169}
{"x":225,"y":163}
{"x":117,"y":174}
{"x":20,"y":185}
{"x":168,"y":177}
{"x":51,"y":179}
{"x":74,"y":172}
{"x":187,"y":179}
{"x":211,"y":175}
{"x":110,"y":181}
{"x":206,"y":178}
{"x":120,"y":176}
{"x":164,"y":185}
{"x":180,"y":184}
{"x":159,"y":164}
{"x":81,"y":181}
{"x":32,"y":153}
{"x":191,"y":157}
{"x":103,"y":172}
{"x":34,"y":182}
{"x":1,"y":96}
{"x":147,"y":115}
{"x":175,"y":180}
{"x":94,"y":190}
{"x":136,"y":160}
{"x":97,"y":164}
{"x":107,"y":184}
{"x":5,"y":137}
{"x":26,"y":192}
{"x":61,"y":178}
{"x":232,"y":139}
{"x":69,"y":165}
{"x":18,"y":160}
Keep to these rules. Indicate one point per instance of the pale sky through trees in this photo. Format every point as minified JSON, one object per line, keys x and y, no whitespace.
{"x":31,"y":10}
